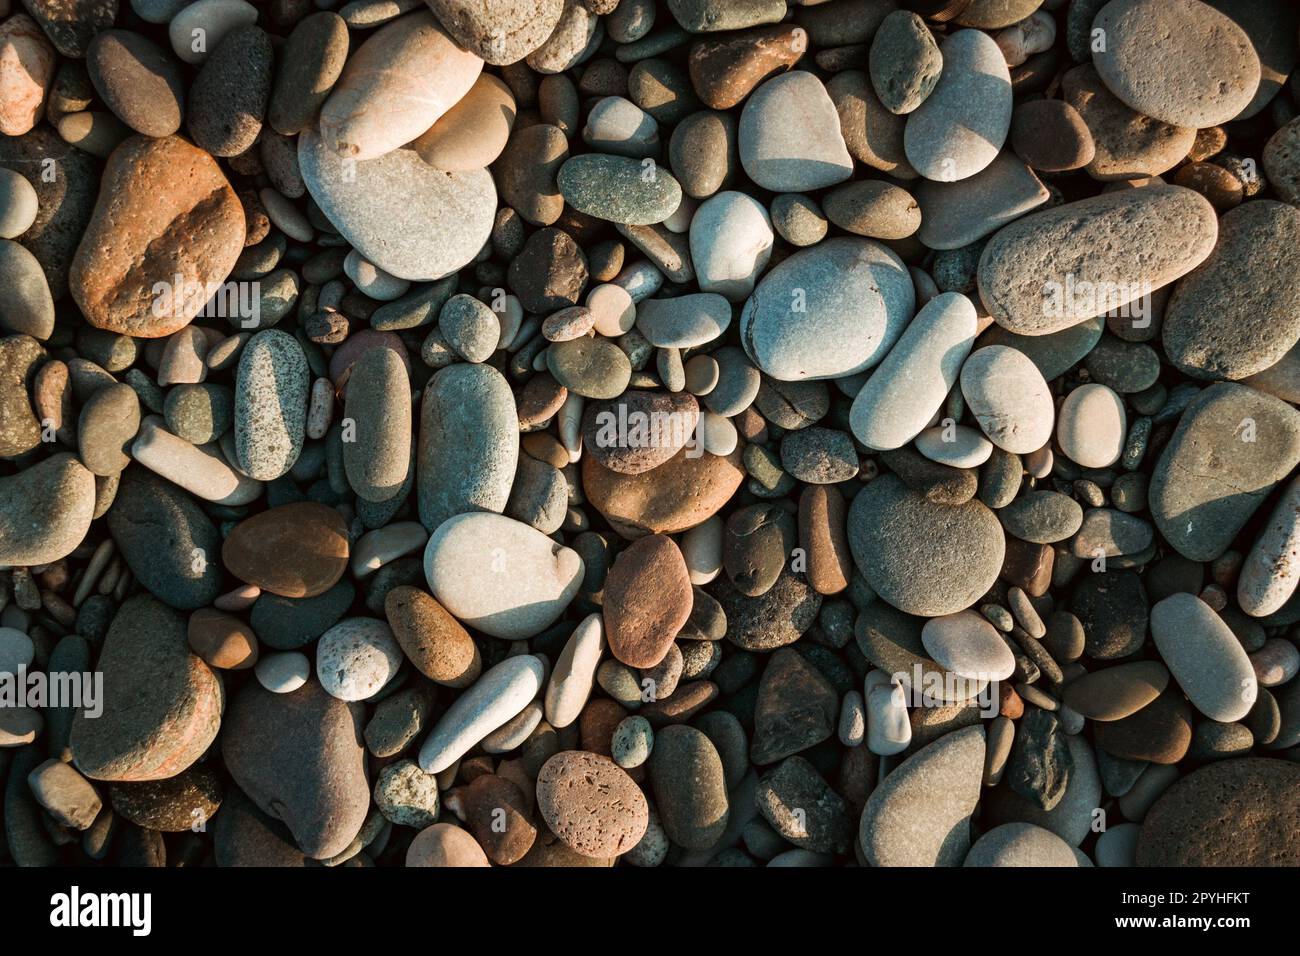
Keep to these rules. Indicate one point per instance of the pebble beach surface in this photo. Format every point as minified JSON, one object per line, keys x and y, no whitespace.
{"x":650,"y":432}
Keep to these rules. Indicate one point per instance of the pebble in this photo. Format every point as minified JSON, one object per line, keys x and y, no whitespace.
{"x":294,"y":550}
{"x":1184,"y":64}
{"x":905,"y":62}
{"x":632,"y":743}
{"x":283,"y":673}
{"x":1234,"y":316}
{"x":445,"y":845}
{"x":1229,"y":438}
{"x":1008,"y":397}
{"x":406,"y":795}
{"x":222,"y":640}
{"x":201,"y":470}
{"x":591,"y":804}
{"x":310,"y":64}
{"x":18,"y":204}
{"x":1092,"y":426}
{"x":431,"y":638}
{"x":124,"y":276}
{"x":378,"y":404}
{"x":960,"y":447}
{"x":920,"y":815}
{"x":1051,"y":136}
{"x":617,"y":189}
{"x":956,"y":214}
{"x":402,"y":215}
{"x":1020,"y":844}
{"x":1268,"y":575}
{"x":960,"y":127}
{"x":689,"y":788}
{"x":789,"y":136}
{"x":1252,"y":823}
{"x":686,"y":321}
{"x":45,"y":511}
{"x":356,"y":658}
{"x":227,"y":101}
{"x":647,"y":600}
{"x":271,"y":388}
{"x":501,"y":693}
{"x":500,"y":576}
{"x":473,"y":132}
{"x":864,"y":310}
{"x":310,"y":774}
{"x":468,"y":443}
{"x":139,"y":82}
{"x":967,"y":645}
{"x":176,"y":699}
{"x":731,"y":241}
{"x":920,"y":557}
{"x":1074,"y":253}
{"x":1205,"y":658}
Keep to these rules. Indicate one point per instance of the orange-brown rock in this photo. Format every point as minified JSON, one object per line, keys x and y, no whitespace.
{"x":824,"y":540}
{"x":679,"y":494}
{"x":591,"y":804}
{"x":26,"y":68}
{"x":496,"y":812}
{"x":648,"y":598}
{"x":222,"y":640}
{"x":294,"y":550}
{"x":431,"y":638}
{"x":165,"y":233}
{"x":725,"y":70}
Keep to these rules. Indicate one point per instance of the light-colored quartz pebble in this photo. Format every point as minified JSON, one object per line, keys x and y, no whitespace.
{"x":282,"y":673}
{"x":376,"y":548}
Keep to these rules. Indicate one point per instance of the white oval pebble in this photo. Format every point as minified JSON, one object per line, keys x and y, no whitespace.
{"x":356,"y":657}
{"x":613,"y":308}
{"x":499,"y":575}
{"x":1092,"y":425}
{"x":282,"y":673}
{"x":575,"y":672}
{"x":376,"y":548}
{"x":955,"y":445}
{"x":498,"y":695}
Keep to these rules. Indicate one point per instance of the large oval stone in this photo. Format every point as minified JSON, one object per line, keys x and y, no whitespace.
{"x":1231,"y":448}
{"x":1238,"y":312}
{"x":921,"y":557}
{"x":963,"y":123}
{"x":165,"y":234}
{"x":161,"y":704}
{"x":789,"y":135}
{"x":299,"y":757}
{"x":500,"y":576}
{"x":1055,"y":268}
{"x":395,"y":86}
{"x":910,"y":385}
{"x":45,"y":511}
{"x":166,"y":539}
{"x":411,"y":220}
{"x":683,"y":492}
{"x":469,"y":443}
{"x":295,"y":550}
{"x":1231,"y":813}
{"x":920,"y":815}
{"x":854,"y":292}
{"x":1179,"y":61}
